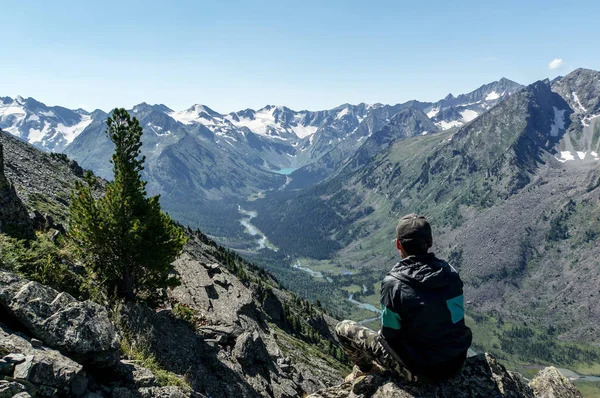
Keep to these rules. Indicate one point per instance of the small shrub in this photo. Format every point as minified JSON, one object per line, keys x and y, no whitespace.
{"x":147,"y":360}
{"x":184,"y":312}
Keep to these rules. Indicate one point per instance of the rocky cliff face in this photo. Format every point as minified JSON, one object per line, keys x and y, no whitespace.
{"x":14,"y":218}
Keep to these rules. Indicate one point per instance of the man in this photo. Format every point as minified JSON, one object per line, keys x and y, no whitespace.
{"x":423,"y":333}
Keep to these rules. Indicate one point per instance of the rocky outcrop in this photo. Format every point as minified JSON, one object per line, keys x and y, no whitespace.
{"x":549,"y":383}
{"x":28,"y":368}
{"x":14,"y":218}
{"x":482,"y":376}
{"x":80,"y":330}
{"x":38,"y":368}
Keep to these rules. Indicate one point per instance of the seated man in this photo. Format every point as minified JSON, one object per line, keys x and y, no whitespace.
{"x":423,"y":333}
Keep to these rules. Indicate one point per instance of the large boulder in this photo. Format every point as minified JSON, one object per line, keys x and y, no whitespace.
{"x":482,"y":376}
{"x":81,"y":330}
{"x":39,"y":368}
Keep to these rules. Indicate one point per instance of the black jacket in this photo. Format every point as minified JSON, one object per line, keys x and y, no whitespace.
{"x":423,"y":316}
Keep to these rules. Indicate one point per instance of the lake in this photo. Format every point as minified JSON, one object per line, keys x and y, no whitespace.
{"x":286,"y":171}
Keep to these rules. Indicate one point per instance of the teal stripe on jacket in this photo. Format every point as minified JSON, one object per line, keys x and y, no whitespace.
{"x":456,"y":306}
{"x":390,"y":319}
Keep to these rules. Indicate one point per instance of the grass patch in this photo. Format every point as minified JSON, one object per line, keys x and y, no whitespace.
{"x":147,"y":360}
{"x":353,"y":289}
{"x":589,"y":389}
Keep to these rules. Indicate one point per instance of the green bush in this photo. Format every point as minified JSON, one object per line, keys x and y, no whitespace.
{"x":42,"y":260}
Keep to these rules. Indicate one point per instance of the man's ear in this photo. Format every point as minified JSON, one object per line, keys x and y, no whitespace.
{"x":398,"y":245}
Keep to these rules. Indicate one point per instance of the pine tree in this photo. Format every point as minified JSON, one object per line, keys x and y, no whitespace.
{"x":124,"y":239}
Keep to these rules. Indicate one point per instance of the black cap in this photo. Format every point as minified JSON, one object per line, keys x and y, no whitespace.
{"x":414,"y":233}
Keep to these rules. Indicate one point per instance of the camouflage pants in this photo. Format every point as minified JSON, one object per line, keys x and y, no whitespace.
{"x":362,"y":346}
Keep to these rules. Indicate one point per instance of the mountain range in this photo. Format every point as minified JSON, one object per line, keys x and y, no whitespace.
{"x":200,"y":159}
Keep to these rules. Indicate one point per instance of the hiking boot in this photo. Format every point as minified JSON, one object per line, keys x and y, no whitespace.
{"x":356,"y":372}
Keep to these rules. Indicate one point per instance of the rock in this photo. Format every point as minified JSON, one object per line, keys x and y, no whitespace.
{"x":90,"y":394}
{"x":122,"y":392}
{"x":42,"y":366}
{"x":549,"y":383}
{"x":155,"y":392}
{"x":250,"y":349}
{"x":482,"y":376}
{"x":166,"y":392}
{"x":9,"y":389}
{"x":14,"y":358}
{"x":80,"y":330}
{"x":22,"y":395}
{"x":6,"y":368}
{"x":135,"y":375}
{"x":36,"y":343}
{"x":23,"y":369}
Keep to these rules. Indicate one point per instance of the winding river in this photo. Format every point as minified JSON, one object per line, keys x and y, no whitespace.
{"x":251,"y":229}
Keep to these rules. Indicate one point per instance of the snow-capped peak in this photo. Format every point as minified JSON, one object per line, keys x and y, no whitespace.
{"x":51,"y":128}
{"x":195,"y":114}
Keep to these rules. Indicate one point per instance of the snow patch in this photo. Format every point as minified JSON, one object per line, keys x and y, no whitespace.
{"x":581,"y":155}
{"x":71,"y":132}
{"x":263,"y":119}
{"x":433,"y":112}
{"x":425,"y":133}
{"x":492,"y":96}
{"x":565,"y":156}
{"x":33,"y":118}
{"x":342,"y":113}
{"x":47,"y":114}
{"x":468,"y":115}
{"x":304,"y":131}
{"x":448,"y":125}
{"x":12,"y":109}
{"x":36,"y":135}
{"x":581,"y":108}
{"x":559,"y":122}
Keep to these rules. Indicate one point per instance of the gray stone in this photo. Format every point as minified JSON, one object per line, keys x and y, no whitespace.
{"x":80,"y":330}
{"x":47,"y":391}
{"x":90,"y":394}
{"x":22,"y":395}
{"x":6,"y":368}
{"x":250,"y":349}
{"x":42,"y":367}
{"x":22,"y":369}
{"x":36,"y":343}
{"x":122,"y":392}
{"x":14,"y":358}
{"x":9,"y":389}
{"x":135,"y":375}
{"x":166,"y":392}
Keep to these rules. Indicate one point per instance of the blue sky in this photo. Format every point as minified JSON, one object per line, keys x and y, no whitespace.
{"x":233,"y":54}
